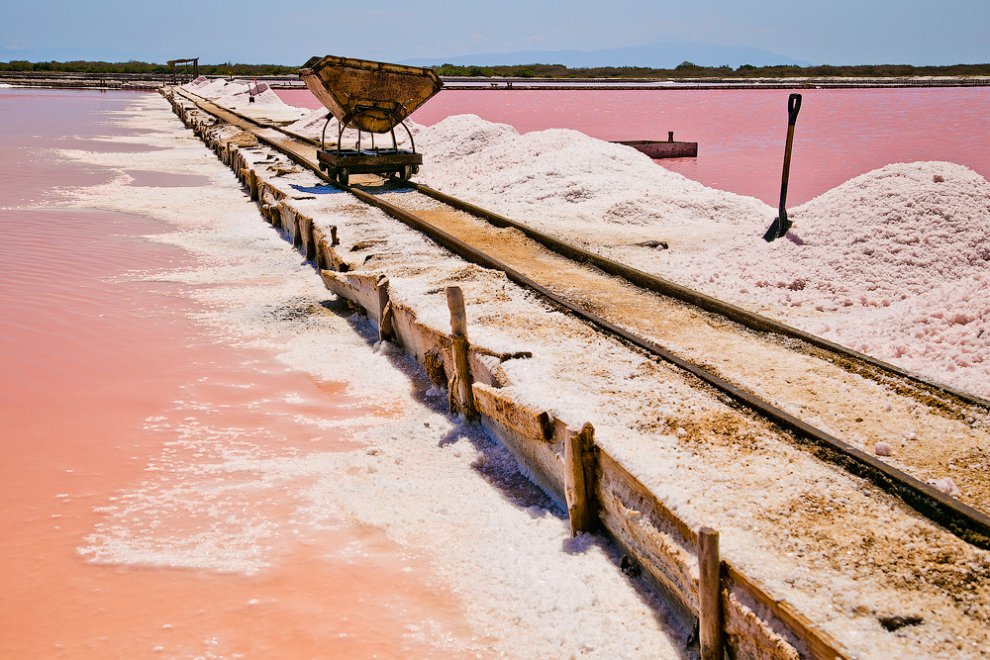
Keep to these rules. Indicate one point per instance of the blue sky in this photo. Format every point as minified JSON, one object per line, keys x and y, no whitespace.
{"x":820,"y":32}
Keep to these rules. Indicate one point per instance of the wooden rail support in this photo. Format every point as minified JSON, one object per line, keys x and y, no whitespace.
{"x":709,"y":595}
{"x":386,"y":330}
{"x":461,"y":393}
{"x":579,"y":471}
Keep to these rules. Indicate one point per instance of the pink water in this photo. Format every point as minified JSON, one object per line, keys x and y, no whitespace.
{"x":89,"y":354}
{"x":839,"y":134}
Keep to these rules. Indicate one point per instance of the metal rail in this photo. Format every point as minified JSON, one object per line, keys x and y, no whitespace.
{"x":967,"y":523}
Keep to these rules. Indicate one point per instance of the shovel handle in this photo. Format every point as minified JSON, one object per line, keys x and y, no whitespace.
{"x":793,"y":108}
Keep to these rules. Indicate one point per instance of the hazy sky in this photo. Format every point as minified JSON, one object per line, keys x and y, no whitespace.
{"x":823,"y":31}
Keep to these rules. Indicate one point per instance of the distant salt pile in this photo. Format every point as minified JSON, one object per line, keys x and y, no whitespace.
{"x":211,"y":89}
{"x":241,"y":91}
{"x":311,"y":124}
{"x":566,"y":177}
{"x":247,"y":97}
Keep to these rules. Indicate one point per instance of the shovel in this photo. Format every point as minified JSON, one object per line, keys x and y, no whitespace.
{"x":781,"y":224}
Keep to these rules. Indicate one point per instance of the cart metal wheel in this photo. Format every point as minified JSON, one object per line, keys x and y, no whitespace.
{"x":403,"y":175}
{"x":343,"y":176}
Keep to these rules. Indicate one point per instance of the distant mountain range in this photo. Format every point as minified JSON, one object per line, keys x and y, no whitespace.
{"x":665,"y":55}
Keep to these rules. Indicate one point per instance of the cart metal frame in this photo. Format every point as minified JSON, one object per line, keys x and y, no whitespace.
{"x":371,"y":97}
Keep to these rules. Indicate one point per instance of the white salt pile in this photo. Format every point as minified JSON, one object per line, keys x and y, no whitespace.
{"x":247,"y":97}
{"x":569,"y":181}
{"x":312,"y":123}
{"x":894,"y":263}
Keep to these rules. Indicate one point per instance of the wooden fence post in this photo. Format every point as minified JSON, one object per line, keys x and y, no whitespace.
{"x":578,"y":479}
{"x":461,"y":383}
{"x":709,"y":595}
{"x":386,"y":331}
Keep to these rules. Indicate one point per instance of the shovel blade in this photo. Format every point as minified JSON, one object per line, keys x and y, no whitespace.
{"x":777,"y":229}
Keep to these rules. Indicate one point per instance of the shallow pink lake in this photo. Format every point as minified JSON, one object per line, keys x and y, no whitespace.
{"x":840,"y":133}
{"x":95,"y":364}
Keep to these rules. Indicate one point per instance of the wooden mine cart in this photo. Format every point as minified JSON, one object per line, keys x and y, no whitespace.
{"x":372,"y":97}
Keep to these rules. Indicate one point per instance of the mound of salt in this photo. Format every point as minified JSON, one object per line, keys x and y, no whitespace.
{"x":894,"y":263}
{"x":873,"y":241}
{"x":567,"y":179}
{"x":311,"y":124}
{"x":211,"y":89}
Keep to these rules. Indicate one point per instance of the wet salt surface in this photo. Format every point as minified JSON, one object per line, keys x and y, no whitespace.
{"x":116,"y":387}
{"x":108,"y":372}
{"x":209,"y":459}
{"x":165,"y":179}
{"x":107,"y":146}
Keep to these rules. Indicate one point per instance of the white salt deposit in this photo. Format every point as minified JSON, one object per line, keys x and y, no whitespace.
{"x":945,"y":485}
{"x":894,"y":263}
{"x":247,"y":97}
{"x":569,"y":181}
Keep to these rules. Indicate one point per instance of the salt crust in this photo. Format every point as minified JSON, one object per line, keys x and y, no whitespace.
{"x":824,"y":541}
{"x":507,"y":554}
{"x":894,"y":263}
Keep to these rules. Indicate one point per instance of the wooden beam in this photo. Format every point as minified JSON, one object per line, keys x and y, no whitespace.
{"x":579,"y":471}
{"x":461,"y":384}
{"x":709,"y":595}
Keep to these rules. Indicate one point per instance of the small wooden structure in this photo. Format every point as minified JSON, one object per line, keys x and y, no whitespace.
{"x":659,"y":149}
{"x":194,"y":61}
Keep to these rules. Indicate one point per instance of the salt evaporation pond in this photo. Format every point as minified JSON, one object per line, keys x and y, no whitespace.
{"x":205,"y":456}
{"x":841,"y":133}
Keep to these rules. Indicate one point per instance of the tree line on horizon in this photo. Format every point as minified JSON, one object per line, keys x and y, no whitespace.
{"x":683,"y":70}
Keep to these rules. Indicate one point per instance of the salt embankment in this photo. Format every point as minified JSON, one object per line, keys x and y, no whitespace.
{"x":657,"y":424}
{"x":422,"y":478}
{"x":894,"y":263}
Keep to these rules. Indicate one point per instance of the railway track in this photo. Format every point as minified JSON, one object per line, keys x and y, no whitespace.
{"x":838,"y":403}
